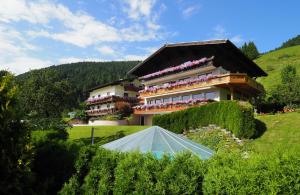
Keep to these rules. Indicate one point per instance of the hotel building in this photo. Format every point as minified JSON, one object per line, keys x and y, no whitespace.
{"x":178,"y":76}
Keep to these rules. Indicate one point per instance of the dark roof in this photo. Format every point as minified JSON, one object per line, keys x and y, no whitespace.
{"x":225,"y":53}
{"x":118,"y":82}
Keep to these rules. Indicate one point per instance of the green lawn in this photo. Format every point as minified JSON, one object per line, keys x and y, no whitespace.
{"x":79,"y":132}
{"x":102,"y":134}
{"x":283,"y":132}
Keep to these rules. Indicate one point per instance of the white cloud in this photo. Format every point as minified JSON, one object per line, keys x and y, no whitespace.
{"x":67,"y":60}
{"x":139,"y":8}
{"x":14,"y":52}
{"x":23,"y":63}
{"x":191,"y":10}
{"x":55,"y":21}
{"x":237,"y":39}
{"x":219,"y":32}
{"x":106,"y":50}
{"x":135,"y":57}
{"x":80,"y":29}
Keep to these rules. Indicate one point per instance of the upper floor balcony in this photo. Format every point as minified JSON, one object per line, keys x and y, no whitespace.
{"x":112,"y":98}
{"x":224,"y":80}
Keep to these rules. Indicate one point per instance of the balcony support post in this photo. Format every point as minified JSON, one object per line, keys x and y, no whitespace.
{"x":231,"y":93}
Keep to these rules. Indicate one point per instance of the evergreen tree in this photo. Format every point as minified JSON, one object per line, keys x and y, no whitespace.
{"x":288,"y":92}
{"x":250,"y":50}
{"x":288,"y":74}
{"x":14,"y":141}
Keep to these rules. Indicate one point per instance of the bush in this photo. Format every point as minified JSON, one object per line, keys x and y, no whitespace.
{"x":53,"y":164}
{"x":260,"y":174}
{"x":226,"y":173}
{"x":235,"y":116}
{"x":135,"y":173}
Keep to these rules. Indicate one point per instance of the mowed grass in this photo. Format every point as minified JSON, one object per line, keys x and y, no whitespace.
{"x":282,"y":133}
{"x":273,"y":62}
{"x":78,"y":132}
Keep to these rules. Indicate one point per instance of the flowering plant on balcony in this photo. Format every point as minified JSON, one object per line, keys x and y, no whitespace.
{"x":95,"y":111}
{"x":168,"y":104}
{"x":97,"y":99}
{"x":179,"y":83}
{"x":180,"y":67}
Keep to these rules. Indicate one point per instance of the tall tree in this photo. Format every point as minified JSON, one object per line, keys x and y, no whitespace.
{"x":45,"y":95}
{"x":250,"y":50}
{"x":288,"y":74}
{"x":14,"y":140}
{"x":288,"y":92}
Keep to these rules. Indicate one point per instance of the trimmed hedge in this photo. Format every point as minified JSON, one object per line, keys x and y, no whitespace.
{"x":228,"y":173}
{"x":134,"y":173}
{"x":276,"y":173}
{"x":235,"y":116}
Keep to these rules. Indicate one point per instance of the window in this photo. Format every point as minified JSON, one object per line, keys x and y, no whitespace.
{"x":151,"y":102}
{"x":93,"y":96}
{"x":108,"y":93}
{"x":98,"y":107}
{"x":185,"y":97}
{"x":176,"y":99}
{"x":184,"y":79}
{"x":99,"y":95}
{"x":157,"y":101}
{"x":108,"y":105}
{"x":211,"y":95}
{"x":198,"y":96}
{"x":125,"y":94}
{"x":166,"y":100}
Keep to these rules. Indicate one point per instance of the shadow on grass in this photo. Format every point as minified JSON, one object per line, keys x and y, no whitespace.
{"x":102,"y":140}
{"x":260,"y":128}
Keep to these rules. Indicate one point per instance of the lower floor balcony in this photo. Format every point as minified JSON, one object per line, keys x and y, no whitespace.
{"x":100,"y":112}
{"x":168,"y":107}
{"x":113,"y":98}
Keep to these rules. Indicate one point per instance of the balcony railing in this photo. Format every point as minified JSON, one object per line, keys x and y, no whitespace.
{"x":213,"y":80}
{"x":99,"y":112}
{"x":112,"y":98}
{"x":169,"y":107}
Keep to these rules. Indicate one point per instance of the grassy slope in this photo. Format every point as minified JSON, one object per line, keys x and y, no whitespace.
{"x":283,"y":132}
{"x":274,"y":61}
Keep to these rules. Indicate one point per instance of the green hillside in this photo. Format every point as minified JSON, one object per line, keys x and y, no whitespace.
{"x":85,"y":75}
{"x":274,"y":61}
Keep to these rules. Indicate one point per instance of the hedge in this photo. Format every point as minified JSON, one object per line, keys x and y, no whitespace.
{"x":260,"y":174}
{"x":235,"y":116}
{"x":228,"y":173}
{"x":135,"y":173}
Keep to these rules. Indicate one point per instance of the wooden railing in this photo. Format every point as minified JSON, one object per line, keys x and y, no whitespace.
{"x":111,"y":99}
{"x":99,"y":112}
{"x":225,"y":79}
{"x":170,"y":108}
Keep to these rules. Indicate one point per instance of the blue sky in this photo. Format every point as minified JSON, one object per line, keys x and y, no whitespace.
{"x":36,"y":34}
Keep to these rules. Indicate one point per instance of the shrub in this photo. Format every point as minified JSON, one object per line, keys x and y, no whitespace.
{"x":134,"y":173}
{"x":53,"y":164}
{"x":235,"y":116}
{"x":82,"y":166}
{"x":259,"y":174}
{"x":226,"y":173}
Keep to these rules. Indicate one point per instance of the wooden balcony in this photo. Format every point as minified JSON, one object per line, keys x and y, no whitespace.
{"x":100,"y":112}
{"x":166,"y":109}
{"x":235,"y":80}
{"x":111,"y":99}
